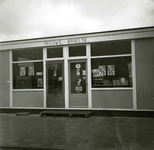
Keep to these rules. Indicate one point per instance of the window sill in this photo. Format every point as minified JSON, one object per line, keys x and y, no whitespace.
{"x":114,"y":88}
{"x":21,"y":90}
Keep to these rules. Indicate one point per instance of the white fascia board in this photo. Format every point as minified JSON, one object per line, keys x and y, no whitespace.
{"x":79,"y":39}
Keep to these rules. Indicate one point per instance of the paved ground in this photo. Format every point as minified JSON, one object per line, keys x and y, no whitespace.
{"x":102,"y":133}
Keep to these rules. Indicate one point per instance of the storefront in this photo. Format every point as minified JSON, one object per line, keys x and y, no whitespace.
{"x":94,"y":71}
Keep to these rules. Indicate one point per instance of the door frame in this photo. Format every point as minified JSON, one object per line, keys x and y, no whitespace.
{"x":69,"y":82}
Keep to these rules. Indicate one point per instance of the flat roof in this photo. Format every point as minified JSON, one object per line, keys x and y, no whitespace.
{"x":80,"y":34}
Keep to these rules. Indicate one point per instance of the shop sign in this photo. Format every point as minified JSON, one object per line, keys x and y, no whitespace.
{"x":78,"y":88}
{"x":65,"y":41}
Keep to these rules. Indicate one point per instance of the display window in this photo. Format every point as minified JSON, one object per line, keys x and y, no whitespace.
{"x":111,"y":72}
{"x":28,"y":68}
{"x":75,"y":51}
{"x":28,"y":54}
{"x":111,"y":64}
{"x":28,"y":75}
{"x":55,"y":52}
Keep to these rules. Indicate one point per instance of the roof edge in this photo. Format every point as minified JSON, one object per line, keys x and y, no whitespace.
{"x":30,"y":39}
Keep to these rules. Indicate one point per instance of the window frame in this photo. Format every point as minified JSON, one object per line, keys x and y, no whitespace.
{"x":23,"y":62}
{"x":112,"y":56}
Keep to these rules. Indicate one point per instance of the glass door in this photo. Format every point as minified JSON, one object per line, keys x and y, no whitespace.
{"x":55,"y":84}
{"x":78,"y":84}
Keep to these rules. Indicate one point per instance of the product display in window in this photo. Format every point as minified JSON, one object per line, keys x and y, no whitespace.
{"x":111,"y":72}
{"x":28,"y":75}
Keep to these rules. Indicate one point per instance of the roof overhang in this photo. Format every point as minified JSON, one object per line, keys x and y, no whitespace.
{"x":128,"y":34}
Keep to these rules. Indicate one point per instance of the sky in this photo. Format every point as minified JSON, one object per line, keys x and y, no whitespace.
{"x":26,"y":19}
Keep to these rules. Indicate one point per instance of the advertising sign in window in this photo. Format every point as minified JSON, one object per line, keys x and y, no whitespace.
{"x":110,"y":70}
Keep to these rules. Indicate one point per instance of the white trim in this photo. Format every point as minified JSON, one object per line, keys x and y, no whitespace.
{"x":44,"y":77}
{"x":108,"y":56}
{"x":76,"y":58}
{"x":90,"y":37}
{"x":11,"y":76}
{"x":28,"y":61}
{"x":79,"y":108}
{"x":23,"y":108}
{"x":122,"y":109}
{"x":66,"y":76}
{"x":108,"y":109}
{"x":25,"y":90}
{"x":134,"y":75}
{"x":88,"y":51}
{"x":111,"y":89}
{"x":54,"y":59}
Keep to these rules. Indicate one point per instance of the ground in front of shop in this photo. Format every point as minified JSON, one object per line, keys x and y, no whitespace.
{"x":92,"y":133}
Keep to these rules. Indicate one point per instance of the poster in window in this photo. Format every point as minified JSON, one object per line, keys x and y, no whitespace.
{"x":130,"y":69}
{"x":84,"y":72}
{"x":78,"y":87}
{"x":55,"y":73}
{"x":78,"y":66}
{"x":22,"y":71}
{"x":95,"y":72}
{"x":98,"y":73}
{"x":111,"y":70}
{"x":102,"y":70}
{"x":31,"y":70}
{"x":39,"y":82}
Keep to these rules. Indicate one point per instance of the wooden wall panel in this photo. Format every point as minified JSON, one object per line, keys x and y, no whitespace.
{"x":144,"y":56}
{"x":112,"y":99}
{"x":4,"y":79}
{"x":28,"y":99}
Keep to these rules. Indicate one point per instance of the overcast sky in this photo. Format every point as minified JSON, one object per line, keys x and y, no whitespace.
{"x":24,"y":19}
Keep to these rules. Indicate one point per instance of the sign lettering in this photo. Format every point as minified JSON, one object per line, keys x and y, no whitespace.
{"x":65,"y":41}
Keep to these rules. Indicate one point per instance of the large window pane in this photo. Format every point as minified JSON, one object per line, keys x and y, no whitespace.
{"x":77,"y":51}
{"x":55,"y":52}
{"x":111,"y":48}
{"x":28,"y":75}
{"x":28,"y":54}
{"x":111,"y":72}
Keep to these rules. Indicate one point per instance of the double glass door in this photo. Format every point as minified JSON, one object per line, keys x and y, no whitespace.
{"x":77,"y":81}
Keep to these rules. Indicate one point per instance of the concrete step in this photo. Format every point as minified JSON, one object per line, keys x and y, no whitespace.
{"x":69,"y":113}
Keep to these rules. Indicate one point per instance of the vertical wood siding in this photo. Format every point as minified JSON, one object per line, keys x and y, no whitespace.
{"x":144,"y":55}
{"x":4,"y":79}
